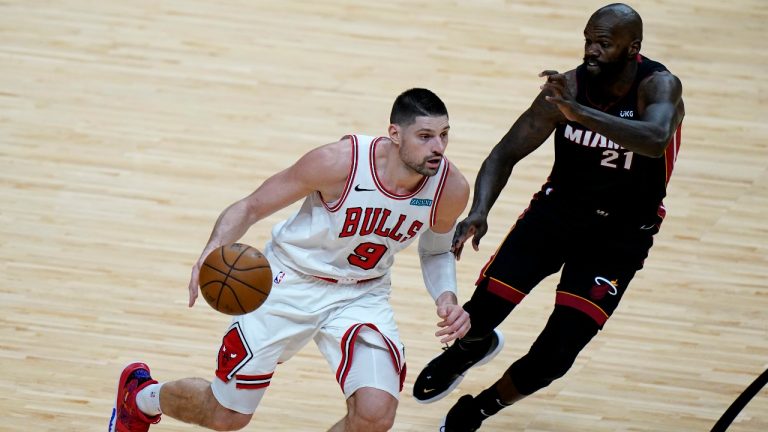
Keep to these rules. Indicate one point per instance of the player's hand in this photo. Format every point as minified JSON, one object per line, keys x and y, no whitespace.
{"x":455,"y":320}
{"x":472,"y":226}
{"x":560,"y":94}
{"x":194,"y":279}
{"x":194,"y":283}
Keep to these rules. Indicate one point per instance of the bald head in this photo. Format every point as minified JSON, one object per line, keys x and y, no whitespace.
{"x":622,"y":17}
{"x":612,"y":41}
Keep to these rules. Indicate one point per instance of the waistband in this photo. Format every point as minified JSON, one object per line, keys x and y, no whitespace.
{"x":345,"y":280}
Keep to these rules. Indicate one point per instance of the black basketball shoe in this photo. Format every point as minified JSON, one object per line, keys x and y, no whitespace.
{"x":445,"y":372}
{"x":464,"y":416}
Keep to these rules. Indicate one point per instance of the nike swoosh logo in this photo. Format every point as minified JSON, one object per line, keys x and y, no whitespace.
{"x":359,"y":189}
{"x":428,"y":390}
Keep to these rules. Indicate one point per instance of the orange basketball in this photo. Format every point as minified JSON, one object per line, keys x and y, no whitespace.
{"x":235,"y":279}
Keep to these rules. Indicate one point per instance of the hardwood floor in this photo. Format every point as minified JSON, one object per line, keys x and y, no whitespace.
{"x":127,"y":126}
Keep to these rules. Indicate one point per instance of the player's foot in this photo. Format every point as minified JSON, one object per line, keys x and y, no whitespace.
{"x":464,"y":416}
{"x":445,"y":372}
{"x":126,"y":416}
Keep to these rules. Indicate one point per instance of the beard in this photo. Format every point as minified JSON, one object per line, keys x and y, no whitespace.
{"x":422,"y":168}
{"x":414,"y":159}
{"x":606,"y":70}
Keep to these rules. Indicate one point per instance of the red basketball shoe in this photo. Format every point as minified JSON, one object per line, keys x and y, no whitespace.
{"x":126,"y":416}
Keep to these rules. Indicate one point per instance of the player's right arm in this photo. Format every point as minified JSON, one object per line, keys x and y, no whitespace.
{"x":659,"y":106}
{"x":323,"y":169}
{"x":438,"y":265}
{"x":527,"y":133}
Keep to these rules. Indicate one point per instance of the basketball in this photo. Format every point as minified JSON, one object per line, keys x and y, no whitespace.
{"x":235,"y":279}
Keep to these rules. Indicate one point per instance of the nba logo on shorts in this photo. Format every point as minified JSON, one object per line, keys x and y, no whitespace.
{"x":279,"y":277}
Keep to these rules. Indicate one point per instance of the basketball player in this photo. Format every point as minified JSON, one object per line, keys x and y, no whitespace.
{"x":365,"y":199}
{"x":616,"y":120}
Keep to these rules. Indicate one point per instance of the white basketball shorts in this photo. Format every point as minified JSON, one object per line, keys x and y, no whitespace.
{"x":352,"y":324}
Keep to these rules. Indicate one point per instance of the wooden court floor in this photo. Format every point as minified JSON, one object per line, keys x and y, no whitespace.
{"x":127,"y":126}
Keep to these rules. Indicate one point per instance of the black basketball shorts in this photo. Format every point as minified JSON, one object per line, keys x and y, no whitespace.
{"x":598,"y":257}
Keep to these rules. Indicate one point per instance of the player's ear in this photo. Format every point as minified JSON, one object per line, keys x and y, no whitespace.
{"x":634,"y":48}
{"x":394,"y":133}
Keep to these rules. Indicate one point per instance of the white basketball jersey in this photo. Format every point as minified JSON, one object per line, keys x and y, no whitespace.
{"x":357,"y":236}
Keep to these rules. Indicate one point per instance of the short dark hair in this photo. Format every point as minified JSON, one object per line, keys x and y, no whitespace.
{"x":414,"y":103}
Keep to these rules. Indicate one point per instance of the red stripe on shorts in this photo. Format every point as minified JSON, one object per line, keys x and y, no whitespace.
{"x":582,"y":304}
{"x":348,"y":350}
{"x":505,"y":291}
{"x":253,"y":382}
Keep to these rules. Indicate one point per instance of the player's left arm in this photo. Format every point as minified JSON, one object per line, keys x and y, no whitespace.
{"x":438,"y":264}
{"x":660,"y":111}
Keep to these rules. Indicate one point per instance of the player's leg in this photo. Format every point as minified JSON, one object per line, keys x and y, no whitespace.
{"x":567,"y":332}
{"x":593,"y":281}
{"x":368,"y":409}
{"x":362,"y":346}
{"x":191,"y":400}
{"x":527,"y":255}
{"x":369,"y":406}
{"x":249,"y":353}
{"x":141,"y":400}
{"x":244,"y":370}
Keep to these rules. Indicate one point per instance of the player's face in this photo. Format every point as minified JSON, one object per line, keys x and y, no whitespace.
{"x":606,"y":49}
{"x":423,"y":142}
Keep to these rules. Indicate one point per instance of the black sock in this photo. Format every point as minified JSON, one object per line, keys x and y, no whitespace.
{"x":489,"y":402}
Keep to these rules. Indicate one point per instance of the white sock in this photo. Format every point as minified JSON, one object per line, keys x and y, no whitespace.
{"x":148,"y":399}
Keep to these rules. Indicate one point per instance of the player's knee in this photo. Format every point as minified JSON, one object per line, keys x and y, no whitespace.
{"x":567,"y":332}
{"x":363,"y":422}
{"x":369,"y":420}
{"x":533,"y":372}
{"x":372,"y":410}
{"x":554,"y":366}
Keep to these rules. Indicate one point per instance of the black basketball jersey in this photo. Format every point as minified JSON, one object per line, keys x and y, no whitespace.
{"x":594,"y":175}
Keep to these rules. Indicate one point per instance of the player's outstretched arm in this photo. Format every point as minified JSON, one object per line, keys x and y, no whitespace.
{"x":527,"y":133}
{"x":323,"y":169}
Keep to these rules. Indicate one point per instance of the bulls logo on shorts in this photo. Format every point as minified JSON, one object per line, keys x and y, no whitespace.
{"x":233,"y":354}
